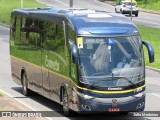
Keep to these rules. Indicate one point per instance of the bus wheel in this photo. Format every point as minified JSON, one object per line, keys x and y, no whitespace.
{"x":65,"y":104}
{"x":25,"y":89}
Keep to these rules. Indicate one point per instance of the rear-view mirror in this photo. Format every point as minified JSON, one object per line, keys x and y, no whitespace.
{"x":150,"y":51}
{"x":74,"y":52}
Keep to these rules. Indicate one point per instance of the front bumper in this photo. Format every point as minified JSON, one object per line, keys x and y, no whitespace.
{"x":129,"y":11}
{"x":91,"y":105}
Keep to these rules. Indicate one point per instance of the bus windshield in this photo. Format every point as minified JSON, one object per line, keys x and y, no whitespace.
{"x":111,"y":62}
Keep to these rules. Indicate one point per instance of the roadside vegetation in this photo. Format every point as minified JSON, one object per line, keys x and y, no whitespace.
{"x":149,"y":4}
{"x":152,"y":35}
{"x":1,"y":95}
{"x":8,"y":5}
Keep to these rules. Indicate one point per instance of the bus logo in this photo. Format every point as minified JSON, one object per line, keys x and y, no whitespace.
{"x":114,"y":102}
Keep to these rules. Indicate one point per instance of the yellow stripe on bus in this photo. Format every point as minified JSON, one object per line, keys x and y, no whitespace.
{"x":97,"y":91}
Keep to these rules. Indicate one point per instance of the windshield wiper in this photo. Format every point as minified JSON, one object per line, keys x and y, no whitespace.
{"x":98,"y":82}
{"x":113,"y":78}
{"x":125,"y":78}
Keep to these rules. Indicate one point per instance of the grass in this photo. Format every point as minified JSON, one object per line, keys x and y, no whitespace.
{"x":8,"y":5}
{"x":152,"y":35}
{"x":150,"y":4}
{"x":1,"y":95}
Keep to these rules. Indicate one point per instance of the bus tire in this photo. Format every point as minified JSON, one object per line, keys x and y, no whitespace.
{"x":66,"y":109}
{"x":25,"y":89}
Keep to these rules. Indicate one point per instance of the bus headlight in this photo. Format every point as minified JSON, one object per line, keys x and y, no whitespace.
{"x":86,"y":96}
{"x":83,"y":95}
{"x":139,"y":95}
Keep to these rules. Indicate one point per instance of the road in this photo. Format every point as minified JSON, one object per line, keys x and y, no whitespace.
{"x":146,"y":19}
{"x":39,"y":103}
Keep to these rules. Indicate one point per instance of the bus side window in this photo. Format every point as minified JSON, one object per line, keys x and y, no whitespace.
{"x":54,"y":45}
{"x":50,"y":35}
{"x":13,"y":24}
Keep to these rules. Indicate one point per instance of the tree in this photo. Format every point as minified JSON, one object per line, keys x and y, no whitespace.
{"x":145,"y":1}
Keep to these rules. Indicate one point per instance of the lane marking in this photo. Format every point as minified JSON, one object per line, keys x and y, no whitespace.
{"x":22,"y":103}
{"x":155,"y":94}
{"x":17,"y":100}
{"x":55,"y":0}
{"x":103,"y":3}
{"x":62,"y":3}
{"x":41,"y":2}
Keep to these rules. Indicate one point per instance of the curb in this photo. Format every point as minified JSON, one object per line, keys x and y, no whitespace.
{"x":149,"y":11}
{"x":140,"y":9}
{"x":154,"y":69}
{"x":4,"y":25}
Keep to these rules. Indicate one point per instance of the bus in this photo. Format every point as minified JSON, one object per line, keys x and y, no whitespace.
{"x":71,"y":56}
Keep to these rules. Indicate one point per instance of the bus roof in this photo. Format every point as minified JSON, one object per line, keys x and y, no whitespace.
{"x":85,"y":21}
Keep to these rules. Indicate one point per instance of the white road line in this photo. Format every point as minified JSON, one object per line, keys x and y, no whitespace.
{"x":147,"y":22}
{"x":40,"y":2}
{"x":63,"y":3}
{"x":22,"y":103}
{"x":55,"y":0}
{"x":103,"y":3}
{"x":17,"y":100}
{"x":155,"y":94}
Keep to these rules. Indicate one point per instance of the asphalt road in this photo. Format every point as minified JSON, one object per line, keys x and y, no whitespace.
{"x":146,"y":19}
{"x":39,"y":103}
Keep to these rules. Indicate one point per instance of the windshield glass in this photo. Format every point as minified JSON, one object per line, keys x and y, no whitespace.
{"x":111,"y":62}
{"x":129,"y":3}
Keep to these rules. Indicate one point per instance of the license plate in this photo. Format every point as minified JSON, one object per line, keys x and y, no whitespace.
{"x":114,"y":109}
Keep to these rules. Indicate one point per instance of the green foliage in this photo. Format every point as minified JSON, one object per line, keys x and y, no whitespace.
{"x":26,"y":52}
{"x":1,"y":95}
{"x":149,"y":4}
{"x":8,"y":5}
{"x":152,"y":35}
{"x":116,"y":0}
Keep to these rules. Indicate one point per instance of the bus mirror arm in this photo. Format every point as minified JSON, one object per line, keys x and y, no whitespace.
{"x":150,"y":51}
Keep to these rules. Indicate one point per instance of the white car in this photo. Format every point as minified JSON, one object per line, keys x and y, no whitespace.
{"x":125,"y":7}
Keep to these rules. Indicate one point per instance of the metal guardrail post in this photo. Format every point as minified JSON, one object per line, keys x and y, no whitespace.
{"x":131,"y":9}
{"x":71,"y":3}
{"x":21,"y":3}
